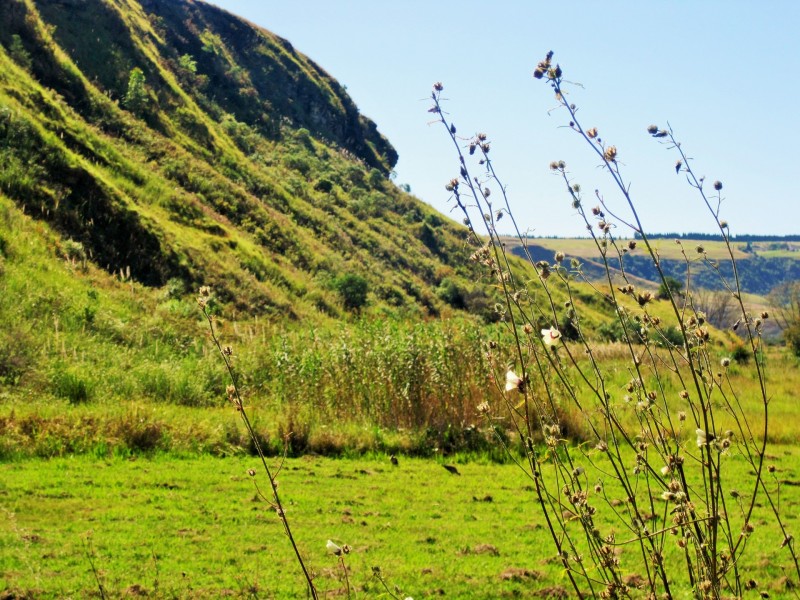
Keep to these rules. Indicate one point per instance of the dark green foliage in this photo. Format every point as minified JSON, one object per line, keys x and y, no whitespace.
{"x":741,"y":354}
{"x":18,"y":52}
{"x":792,"y":336}
{"x":611,"y":331}
{"x":16,"y":352}
{"x":480,"y":303}
{"x":376,"y":178}
{"x":785,"y":300}
{"x":72,"y":383}
{"x":324,"y":185}
{"x":429,"y":237}
{"x":136,"y":98}
{"x":187,"y":63}
{"x":568,"y":329}
{"x":452,"y":293}
{"x":670,"y":284}
{"x":353,"y":289}
{"x":670,"y":336}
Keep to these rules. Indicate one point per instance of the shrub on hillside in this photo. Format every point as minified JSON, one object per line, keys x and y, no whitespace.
{"x":353,"y":289}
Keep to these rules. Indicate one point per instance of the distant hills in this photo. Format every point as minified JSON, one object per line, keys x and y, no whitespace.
{"x":763,"y":262}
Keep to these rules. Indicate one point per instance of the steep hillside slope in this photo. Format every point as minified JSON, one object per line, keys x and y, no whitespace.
{"x":172,"y":142}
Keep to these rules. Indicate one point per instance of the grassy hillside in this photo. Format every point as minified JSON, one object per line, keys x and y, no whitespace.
{"x":238,"y":163}
{"x":154,"y":147}
{"x":151,"y":148}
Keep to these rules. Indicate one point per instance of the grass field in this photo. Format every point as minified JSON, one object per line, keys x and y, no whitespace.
{"x":167,"y":527}
{"x":667,"y":248}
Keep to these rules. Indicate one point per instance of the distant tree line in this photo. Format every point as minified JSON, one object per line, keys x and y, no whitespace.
{"x":747,"y":237}
{"x":744,"y":237}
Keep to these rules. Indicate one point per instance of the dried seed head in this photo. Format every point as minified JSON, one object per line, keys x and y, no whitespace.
{"x":438,"y":86}
{"x":718,"y":185}
{"x":610,"y":154}
{"x":652,"y":129}
{"x":591,"y":133}
{"x":203,"y":296}
{"x":643,"y":298}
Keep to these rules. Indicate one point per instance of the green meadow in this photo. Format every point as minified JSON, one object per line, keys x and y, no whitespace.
{"x":167,"y":527}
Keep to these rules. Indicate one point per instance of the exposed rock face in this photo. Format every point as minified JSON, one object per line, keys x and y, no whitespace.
{"x":255,"y":75}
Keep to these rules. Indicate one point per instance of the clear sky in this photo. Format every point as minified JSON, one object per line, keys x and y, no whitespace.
{"x":724,"y":73}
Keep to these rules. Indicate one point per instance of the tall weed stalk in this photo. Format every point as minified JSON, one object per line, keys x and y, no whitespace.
{"x":234,"y":396}
{"x":653,"y":498}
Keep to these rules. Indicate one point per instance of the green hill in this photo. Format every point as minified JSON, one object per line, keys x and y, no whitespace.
{"x":149,"y":148}
{"x":174,"y":142}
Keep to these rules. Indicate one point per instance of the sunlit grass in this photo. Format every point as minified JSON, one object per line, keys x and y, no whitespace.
{"x":193,"y":527}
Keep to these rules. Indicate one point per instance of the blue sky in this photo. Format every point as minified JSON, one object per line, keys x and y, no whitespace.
{"x":725,"y":74}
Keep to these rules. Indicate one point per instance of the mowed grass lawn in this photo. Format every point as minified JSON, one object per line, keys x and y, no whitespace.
{"x":170,"y":527}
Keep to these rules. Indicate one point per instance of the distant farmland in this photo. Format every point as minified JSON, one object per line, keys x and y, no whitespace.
{"x":762,"y":264}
